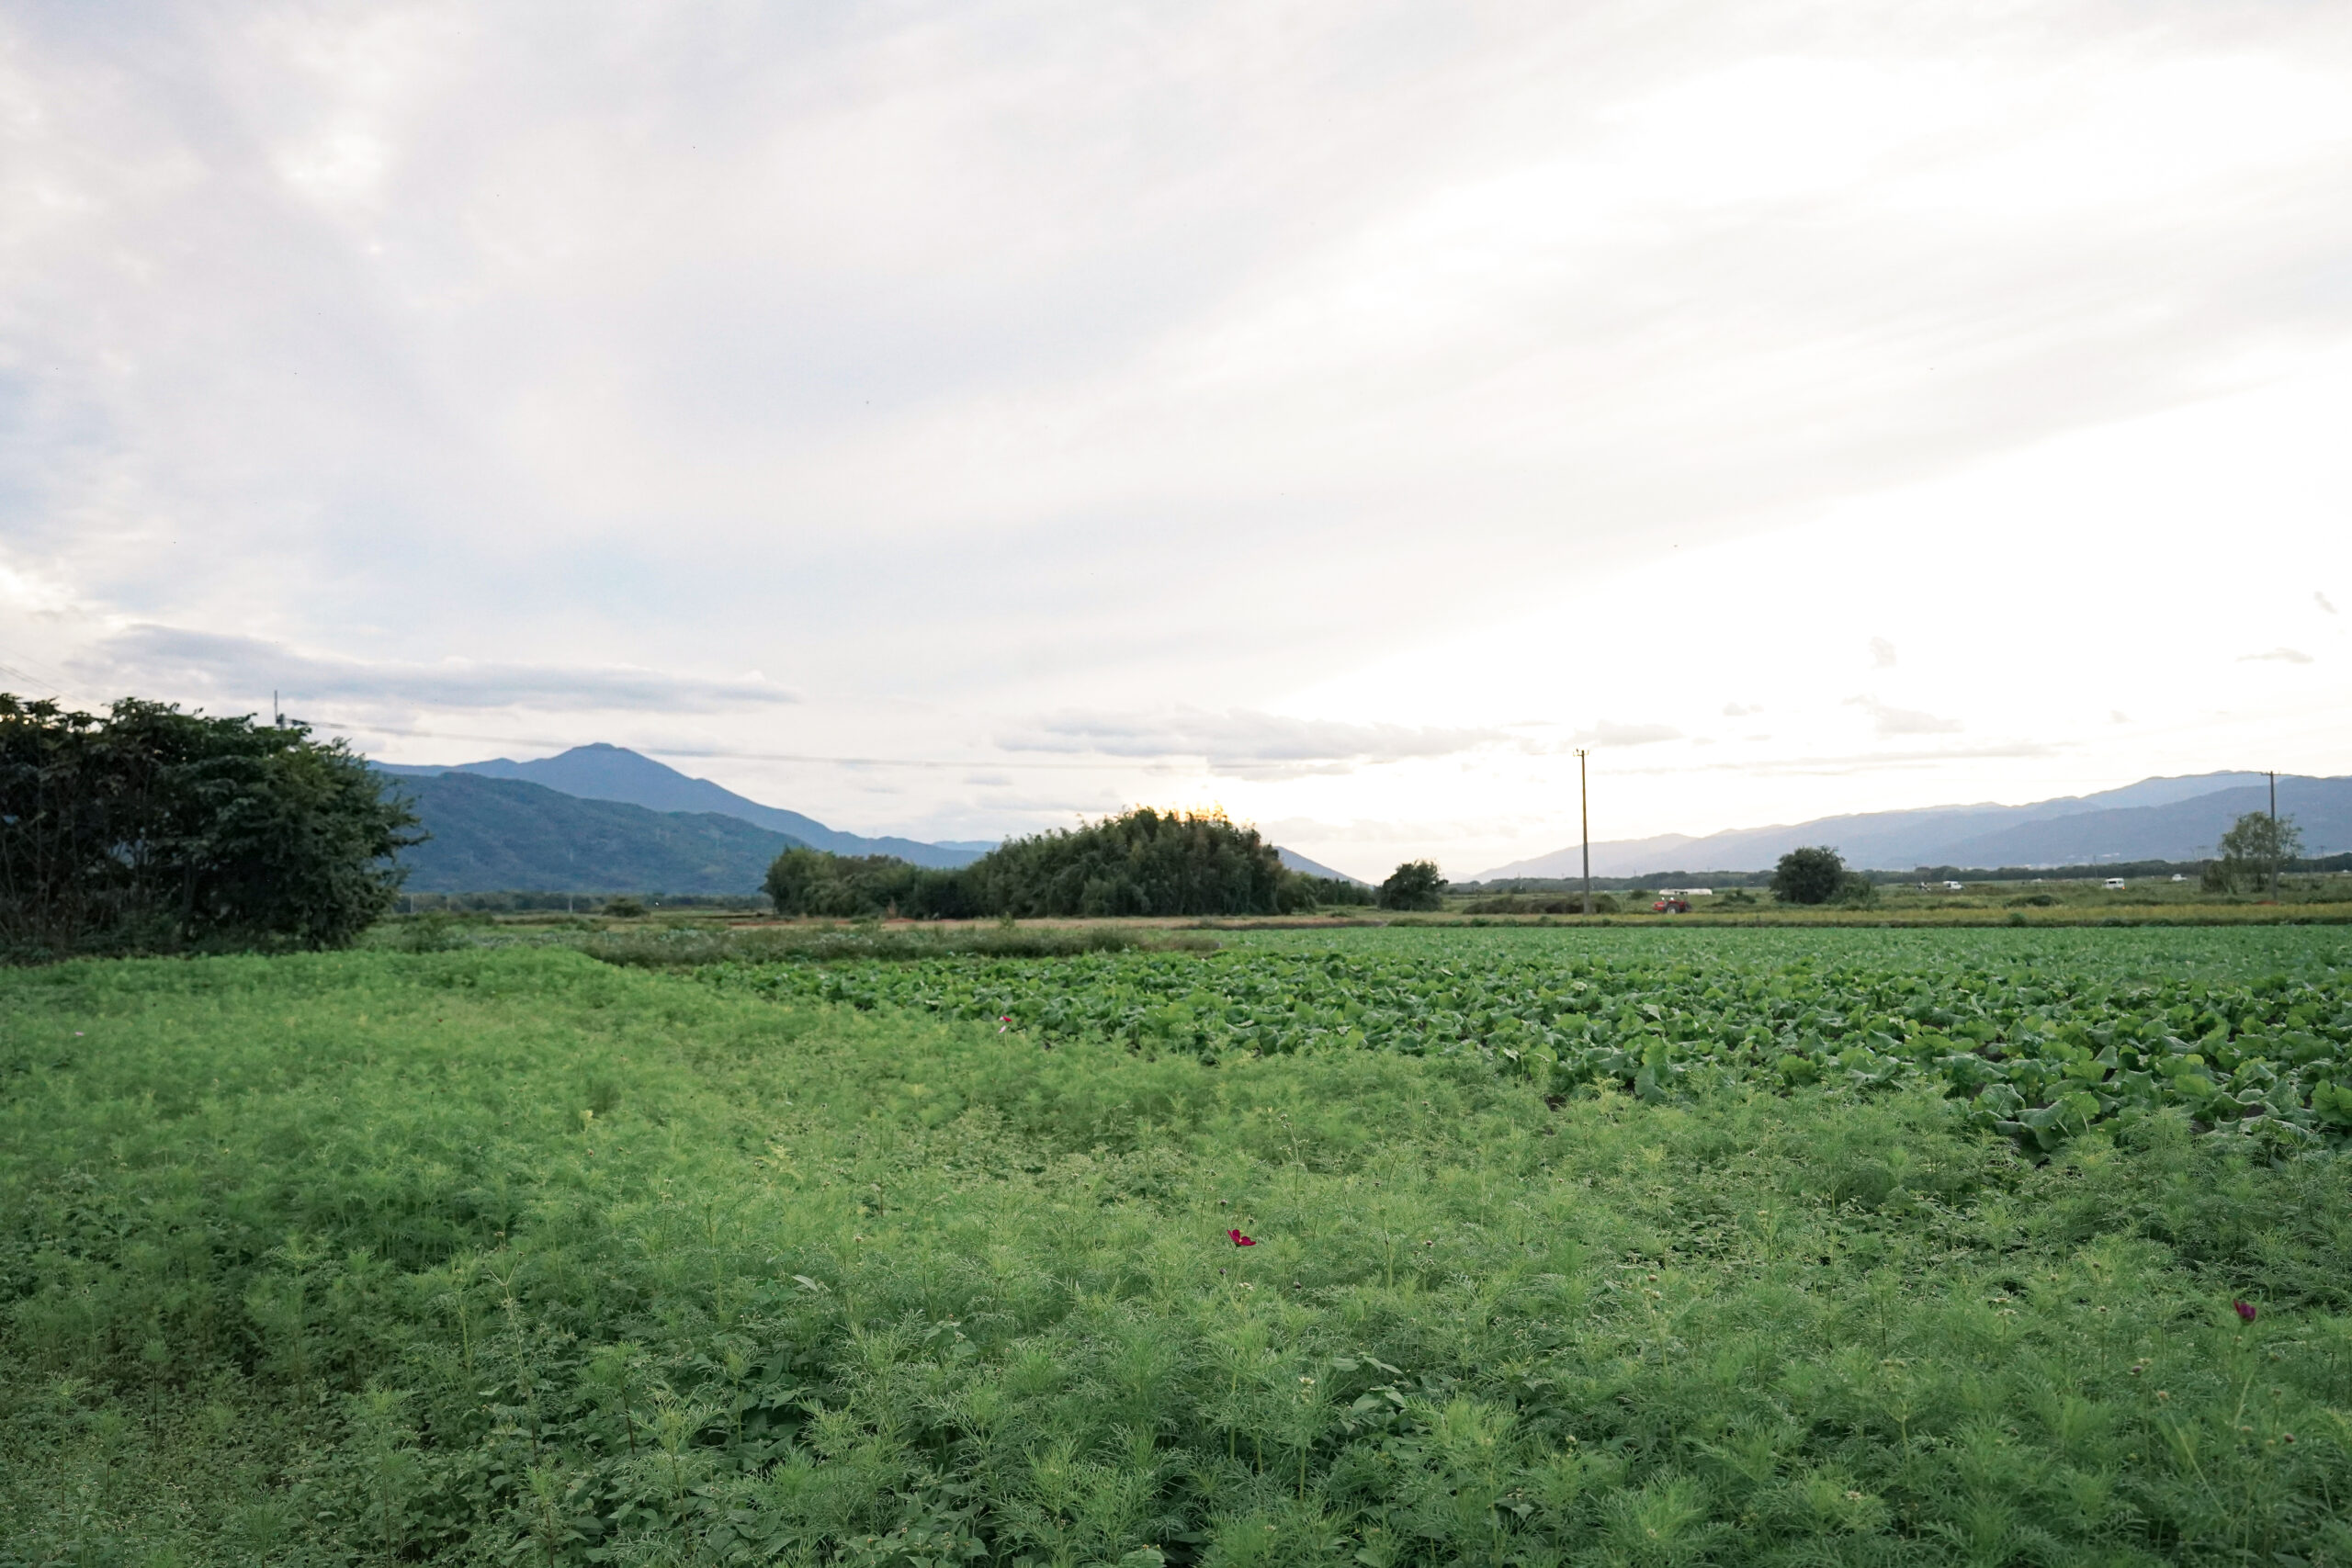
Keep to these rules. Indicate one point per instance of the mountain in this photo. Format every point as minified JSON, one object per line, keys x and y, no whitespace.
{"x":615,"y":772}
{"x":492,"y":834}
{"x":2183,"y":829}
{"x":2161,"y":818}
{"x":1305,"y":867}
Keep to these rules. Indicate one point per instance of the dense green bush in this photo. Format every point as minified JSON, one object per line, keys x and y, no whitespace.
{"x":1814,"y":874}
{"x":154,"y":828}
{"x":811,"y":881}
{"x":1415,"y":885}
{"x":1542,"y":904}
{"x":1140,"y":862}
{"x":1299,"y":893}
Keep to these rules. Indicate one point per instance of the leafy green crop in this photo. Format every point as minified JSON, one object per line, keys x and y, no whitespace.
{"x":2041,"y":1050}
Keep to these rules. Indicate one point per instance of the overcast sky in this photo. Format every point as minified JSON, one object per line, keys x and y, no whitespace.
{"x":948,"y":419}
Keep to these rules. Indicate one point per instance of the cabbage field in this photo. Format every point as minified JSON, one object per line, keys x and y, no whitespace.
{"x":2041,"y":1043}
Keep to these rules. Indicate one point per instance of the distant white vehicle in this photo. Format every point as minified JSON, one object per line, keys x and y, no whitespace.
{"x":2177,"y":878}
{"x":1955,"y":886}
{"x":1686,"y":892}
{"x":2114,"y":885}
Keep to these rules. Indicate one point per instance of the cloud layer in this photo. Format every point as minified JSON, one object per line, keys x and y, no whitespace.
{"x":1246,"y":745}
{"x":1346,"y":413}
{"x":153,"y":658}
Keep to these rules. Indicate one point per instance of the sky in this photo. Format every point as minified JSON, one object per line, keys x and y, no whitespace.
{"x":954,"y":420}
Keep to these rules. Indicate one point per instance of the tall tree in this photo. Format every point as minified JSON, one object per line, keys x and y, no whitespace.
{"x":2254,"y":848}
{"x":1415,"y":885}
{"x":1811,"y":875}
{"x":151,"y":829}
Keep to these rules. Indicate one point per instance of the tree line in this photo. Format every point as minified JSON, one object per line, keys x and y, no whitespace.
{"x":2256,"y":849}
{"x":1142,"y":862}
{"x":151,"y":829}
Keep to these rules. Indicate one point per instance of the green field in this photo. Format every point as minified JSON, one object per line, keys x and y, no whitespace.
{"x":1626,"y":1246}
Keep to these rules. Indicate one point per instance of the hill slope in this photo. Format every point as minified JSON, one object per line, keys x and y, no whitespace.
{"x":491,"y":834}
{"x":1292,"y":859}
{"x":2166,"y":819}
{"x":614,"y":772}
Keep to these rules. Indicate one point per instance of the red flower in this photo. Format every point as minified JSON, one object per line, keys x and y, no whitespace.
{"x":2245,"y":1310}
{"x":1240,"y":1240}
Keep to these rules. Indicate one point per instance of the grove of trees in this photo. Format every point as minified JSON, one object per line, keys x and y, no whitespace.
{"x":1141,"y":862}
{"x":151,"y":829}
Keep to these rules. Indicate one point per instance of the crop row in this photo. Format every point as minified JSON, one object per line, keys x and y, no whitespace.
{"x":2042,"y":1054}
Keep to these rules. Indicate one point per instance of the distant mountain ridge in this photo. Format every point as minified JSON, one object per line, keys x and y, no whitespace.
{"x":2158,"y":818}
{"x":491,"y":834}
{"x":1298,"y":862}
{"x":651,"y":828}
{"x":602,"y":771}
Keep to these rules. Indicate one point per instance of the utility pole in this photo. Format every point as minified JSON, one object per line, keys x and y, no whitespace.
{"x":1584,"y":821}
{"x":2274,"y":836}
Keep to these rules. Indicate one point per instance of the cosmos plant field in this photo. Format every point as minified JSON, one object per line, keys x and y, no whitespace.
{"x":1362,"y":1248}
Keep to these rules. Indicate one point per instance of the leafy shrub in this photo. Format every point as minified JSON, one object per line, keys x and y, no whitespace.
{"x":811,"y":882}
{"x":1542,"y":904}
{"x":431,"y":933}
{"x":1856,"y":891}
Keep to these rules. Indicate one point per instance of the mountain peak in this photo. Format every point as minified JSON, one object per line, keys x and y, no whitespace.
{"x":602,"y":771}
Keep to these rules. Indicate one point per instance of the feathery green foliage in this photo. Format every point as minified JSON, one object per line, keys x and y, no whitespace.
{"x":516,"y":1257}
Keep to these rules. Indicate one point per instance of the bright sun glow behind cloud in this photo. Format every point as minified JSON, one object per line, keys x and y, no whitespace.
{"x":944,"y":420}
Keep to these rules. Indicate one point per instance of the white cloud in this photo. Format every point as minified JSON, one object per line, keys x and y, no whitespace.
{"x":1882,"y":654}
{"x":1608,"y":732}
{"x":153,"y":658}
{"x":1246,"y":745}
{"x":2277,"y":655}
{"x":1892,"y":721}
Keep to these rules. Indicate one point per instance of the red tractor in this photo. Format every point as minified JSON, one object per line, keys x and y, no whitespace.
{"x":1670,"y":905}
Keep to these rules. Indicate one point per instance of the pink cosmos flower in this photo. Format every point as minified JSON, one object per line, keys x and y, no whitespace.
{"x":2245,"y":1310}
{"x":1240,"y":1240}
